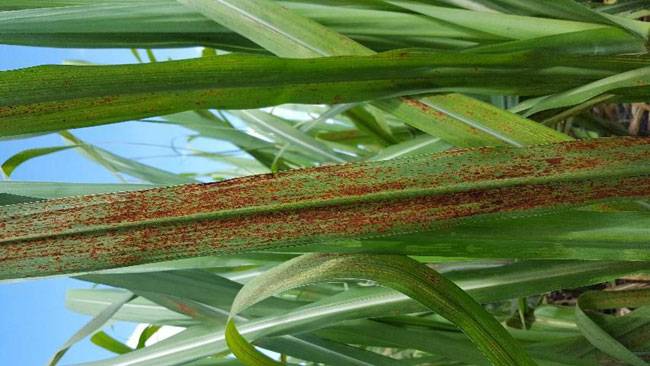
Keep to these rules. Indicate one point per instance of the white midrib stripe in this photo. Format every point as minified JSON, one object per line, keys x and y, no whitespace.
{"x":473,"y":123}
{"x":269,"y":26}
{"x":410,"y":149}
{"x":292,"y":139}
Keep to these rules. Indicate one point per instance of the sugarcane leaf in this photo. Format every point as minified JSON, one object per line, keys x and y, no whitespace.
{"x":207,"y":339}
{"x":123,"y":92}
{"x":521,"y":27}
{"x":598,"y":41}
{"x":14,"y":161}
{"x":573,"y":234}
{"x":488,"y":285}
{"x":109,"y":343}
{"x":258,"y":20}
{"x":368,"y":122}
{"x":166,"y":23}
{"x":624,"y":329}
{"x":10,"y":199}
{"x":449,"y":345}
{"x":288,"y":134}
{"x":146,"y":334}
{"x":351,"y":201}
{"x":472,"y":115}
{"x":597,"y":335}
{"x":406,"y":275}
{"x":194,"y":285}
{"x":190,"y":344}
{"x":116,"y":163}
{"x":92,"y":326}
{"x":323,"y":351}
{"x":485,"y":285}
{"x":422,"y":144}
{"x":284,"y":38}
{"x":570,"y":9}
{"x":140,"y":310}
{"x":633,"y":78}
{"x":34,"y":191}
{"x":208,"y":262}
{"x":206,"y":124}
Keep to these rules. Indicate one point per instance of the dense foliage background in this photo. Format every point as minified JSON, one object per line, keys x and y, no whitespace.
{"x":447,"y":182}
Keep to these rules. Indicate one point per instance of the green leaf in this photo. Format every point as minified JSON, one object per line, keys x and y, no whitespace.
{"x":423,"y":144}
{"x":367,"y":122}
{"x":499,"y":24}
{"x":105,"y":94}
{"x":92,"y":326}
{"x":352,"y":201}
{"x":140,"y":310}
{"x":166,"y":23}
{"x":11,"y":199}
{"x":283,"y":132}
{"x":258,"y":20}
{"x":597,"y":335}
{"x":191,"y":344}
{"x":238,"y":260}
{"x":131,"y":24}
{"x":109,"y":343}
{"x":347,"y":355}
{"x":194,"y":285}
{"x":34,"y":191}
{"x":571,"y":234}
{"x":405,"y":275}
{"x":146,"y":334}
{"x":116,"y":163}
{"x":598,"y":41}
{"x":208,"y":125}
{"x":201,"y":285}
{"x":630,"y":79}
{"x":486,"y":285}
{"x":570,"y":9}
{"x":284,"y":38}
{"x":452,"y":117}
{"x":14,"y":161}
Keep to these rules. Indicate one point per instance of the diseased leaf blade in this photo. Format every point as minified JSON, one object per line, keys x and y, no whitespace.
{"x":324,"y":204}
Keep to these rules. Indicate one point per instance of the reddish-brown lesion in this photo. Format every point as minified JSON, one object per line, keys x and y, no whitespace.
{"x":184,"y":309}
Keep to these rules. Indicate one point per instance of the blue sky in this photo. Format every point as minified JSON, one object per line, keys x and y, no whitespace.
{"x":34,"y":319}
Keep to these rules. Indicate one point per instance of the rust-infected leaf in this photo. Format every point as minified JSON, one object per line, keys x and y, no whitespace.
{"x":85,"y":233}
{"x":31,"y":100}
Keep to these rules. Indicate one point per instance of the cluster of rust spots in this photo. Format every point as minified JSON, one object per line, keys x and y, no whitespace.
{"x":184,"y":309}
{"x":424,"y":108}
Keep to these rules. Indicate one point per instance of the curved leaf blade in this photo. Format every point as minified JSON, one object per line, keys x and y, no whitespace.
{"x":93,"y":325}
{"x":401,"y":273}
{"x":14,"y":161}
{"x":598,"y":336}
{"x":630,"y":79}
